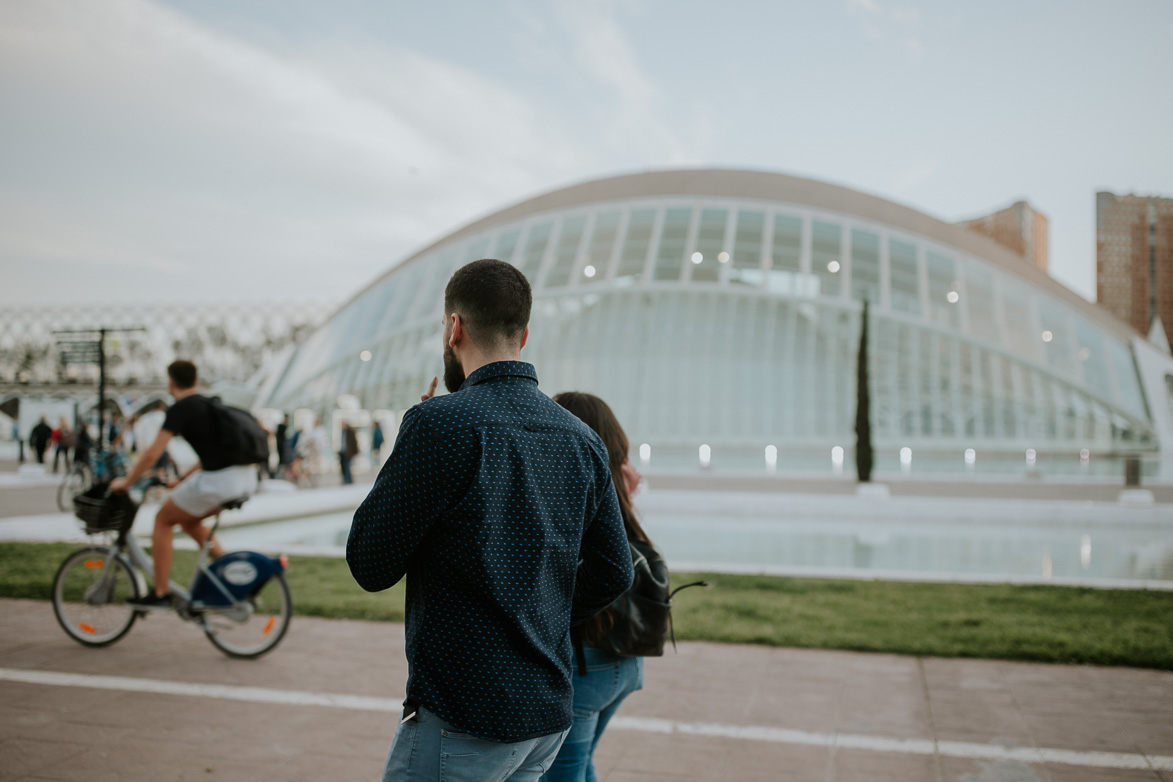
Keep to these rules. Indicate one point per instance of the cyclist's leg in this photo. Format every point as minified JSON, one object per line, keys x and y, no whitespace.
{"x":162,"y":540}
{"x":195,"y":528}
{"x":162,"y":545}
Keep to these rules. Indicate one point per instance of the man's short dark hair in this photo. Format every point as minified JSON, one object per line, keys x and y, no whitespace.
{"x":182,"y":373}
{"x":493,"y":300}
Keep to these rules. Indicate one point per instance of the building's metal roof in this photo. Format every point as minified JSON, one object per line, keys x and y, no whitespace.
{"x":770,"y":186}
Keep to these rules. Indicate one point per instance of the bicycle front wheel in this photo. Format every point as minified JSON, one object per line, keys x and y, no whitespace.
{"x":240,"y":635}
{"x":76,"y":481}
{"x":90,"y":593}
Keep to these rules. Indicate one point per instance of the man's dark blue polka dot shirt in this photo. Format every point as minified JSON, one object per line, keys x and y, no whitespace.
{"x":498,"y":506}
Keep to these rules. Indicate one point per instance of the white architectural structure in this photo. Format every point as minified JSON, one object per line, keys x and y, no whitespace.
{"x":718,"y":312}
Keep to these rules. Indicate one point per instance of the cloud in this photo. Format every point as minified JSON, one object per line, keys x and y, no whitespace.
{"x":905,"y":14}
{"x":602,"y":49}
{"x":896,"y":23}
{"x":138,"y":140}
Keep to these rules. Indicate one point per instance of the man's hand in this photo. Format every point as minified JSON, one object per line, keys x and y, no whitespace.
{"x":431,"y":390}
{"x":119,"y":485}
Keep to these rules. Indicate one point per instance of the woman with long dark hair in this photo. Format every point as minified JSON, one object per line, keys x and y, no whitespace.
{"x":609,"y":678}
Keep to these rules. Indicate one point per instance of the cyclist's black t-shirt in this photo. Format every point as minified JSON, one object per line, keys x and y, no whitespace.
{"x":192,"y":419}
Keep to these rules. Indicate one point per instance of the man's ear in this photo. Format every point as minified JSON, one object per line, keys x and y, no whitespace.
{"x":524,"y":336}
{"x":457,"y":334}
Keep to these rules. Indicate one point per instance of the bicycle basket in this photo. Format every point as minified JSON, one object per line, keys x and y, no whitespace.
{"x":101,"y":511}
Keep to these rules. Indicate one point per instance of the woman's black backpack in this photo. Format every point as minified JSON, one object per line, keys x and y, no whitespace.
{"x":642,"y":617}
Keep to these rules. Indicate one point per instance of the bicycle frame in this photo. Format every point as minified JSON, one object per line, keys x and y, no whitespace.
{"x":183,"y":596}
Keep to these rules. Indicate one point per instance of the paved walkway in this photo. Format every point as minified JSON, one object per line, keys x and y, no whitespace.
{"x":163,"y":704}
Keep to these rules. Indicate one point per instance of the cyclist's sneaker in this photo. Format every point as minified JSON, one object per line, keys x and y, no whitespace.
{"x":151,"y":600}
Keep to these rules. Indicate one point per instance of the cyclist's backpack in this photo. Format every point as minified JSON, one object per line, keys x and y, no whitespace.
{"x":244,"y":441}
{"x":642,"y":617}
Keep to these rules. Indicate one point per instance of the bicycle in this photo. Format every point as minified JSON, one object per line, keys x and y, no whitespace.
{"x":240,"y":600}
{"x":101,"y":467}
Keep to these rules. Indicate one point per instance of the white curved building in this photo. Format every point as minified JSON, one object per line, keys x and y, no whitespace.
{"x":722,"y":308}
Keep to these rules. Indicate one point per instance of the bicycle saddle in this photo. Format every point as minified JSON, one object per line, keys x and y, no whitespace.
{"x":233,"y":504}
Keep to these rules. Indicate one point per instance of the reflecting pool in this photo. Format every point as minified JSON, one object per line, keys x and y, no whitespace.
{"x":1097,"y":548}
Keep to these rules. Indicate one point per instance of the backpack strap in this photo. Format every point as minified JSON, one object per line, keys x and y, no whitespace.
{"x":686,"y":586}
{"x":671,"y":627}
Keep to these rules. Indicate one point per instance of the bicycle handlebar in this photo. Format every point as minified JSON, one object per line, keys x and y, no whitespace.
{"x":141,"y":486}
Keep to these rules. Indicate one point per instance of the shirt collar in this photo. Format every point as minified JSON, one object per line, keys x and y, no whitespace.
{"x":501,"y":369}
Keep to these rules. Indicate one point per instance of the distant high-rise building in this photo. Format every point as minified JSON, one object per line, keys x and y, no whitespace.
{"x":1134,"y":259}
{"x":1019,"y":227}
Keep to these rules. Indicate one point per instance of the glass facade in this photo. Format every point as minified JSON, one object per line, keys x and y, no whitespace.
{"x":735,"y":323}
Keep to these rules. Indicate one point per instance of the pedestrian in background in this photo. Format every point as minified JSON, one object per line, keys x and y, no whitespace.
{"x":348,"y":451}
{"x":63,"y":440}
{"x":282,"y":443}
{"x":39,"y":439}
{"x":317,"y":445}
{"x":376,"y":443}
{"x":82,"y":444}
{"x":115,"y":431}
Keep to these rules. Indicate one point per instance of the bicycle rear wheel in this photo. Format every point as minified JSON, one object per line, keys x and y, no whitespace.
{"x":90,"y":592}
{"x":249,"y":636}
{"x":76,"y":481}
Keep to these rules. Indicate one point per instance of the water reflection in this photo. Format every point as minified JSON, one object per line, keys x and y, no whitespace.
{"x":1006,"y":550}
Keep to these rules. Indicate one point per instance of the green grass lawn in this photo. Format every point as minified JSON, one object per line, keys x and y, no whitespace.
{"x":1037,"y":623}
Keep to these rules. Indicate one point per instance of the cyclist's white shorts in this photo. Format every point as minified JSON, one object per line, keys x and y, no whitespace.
{"x":204,"y":492}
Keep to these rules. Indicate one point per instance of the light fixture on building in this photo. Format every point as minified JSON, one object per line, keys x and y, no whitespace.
{"x":365,"y":355}
{"x":833,"y":267}
{"x":837,"y":460}
{"x":706,"y":455}
{"x":589,"y":271}
{"x":697,"y":257}
{"x":906,"y":459}
{"x":723,"y":257}
{"x":1048,"y":336}
{"x":970,"y":457}
{"x":1031,"y":457}
{"x":771,"y":458}
{"x":645,"y":454}
{"x":1084,"y":354}
{"x":952,"y":297}
{"x":1085,"y":456}
{"x":1085,"y":551}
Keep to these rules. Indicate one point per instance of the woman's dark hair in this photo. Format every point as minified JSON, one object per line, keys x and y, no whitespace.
{"x":596,"y":414}
{"x":493,"y":300}
{"x":183,"y":373}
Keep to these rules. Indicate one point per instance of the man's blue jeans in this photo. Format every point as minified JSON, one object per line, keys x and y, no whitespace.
{"x":427,"y":749}
{"x":597,"y":696}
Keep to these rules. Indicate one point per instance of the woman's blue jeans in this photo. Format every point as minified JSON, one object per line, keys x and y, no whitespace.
{"x":597,"y":696}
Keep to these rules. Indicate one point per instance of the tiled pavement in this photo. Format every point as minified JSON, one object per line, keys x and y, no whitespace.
{"x":712,"y":712}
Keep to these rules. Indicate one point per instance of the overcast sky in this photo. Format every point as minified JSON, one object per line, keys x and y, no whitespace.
{"x":293,"y":149}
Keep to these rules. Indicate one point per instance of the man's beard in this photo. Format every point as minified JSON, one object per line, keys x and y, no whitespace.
{"x":453,"y":372}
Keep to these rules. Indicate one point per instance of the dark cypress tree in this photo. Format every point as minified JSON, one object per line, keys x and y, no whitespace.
{"x":863,"y":426}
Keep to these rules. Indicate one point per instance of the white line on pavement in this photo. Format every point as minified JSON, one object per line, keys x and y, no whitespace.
{"x":955,"y":749}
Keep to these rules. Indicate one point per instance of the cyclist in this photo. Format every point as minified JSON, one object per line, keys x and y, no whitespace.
{"x":200,"y":492}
